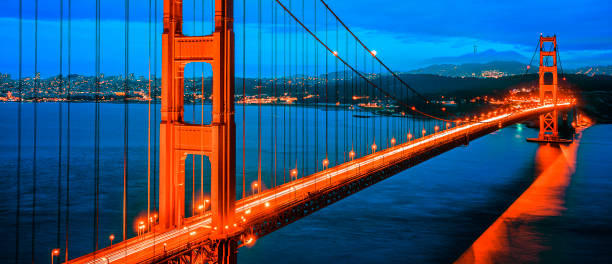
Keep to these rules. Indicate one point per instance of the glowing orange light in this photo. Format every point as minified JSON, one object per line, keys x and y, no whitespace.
{"x":424,"y":131}
{"x":528,"y":67}
{"x":250,"y":240}
{"x":443,"y":108}
{"x":325,"y":162}
{"x":192,"y":233}
{"x":392,"y":141}
{"x":248,"y":211}
{"x":55,"y":252}
{"x":374,"y":147}
{"x":351,"y":154}
{"x":373,"y":53}
{"x":294,"y":173}
{"x":436,"y":128}
{"x":267,"y":204}
{"x":413,"y":108}
{"x":409,"y":136}
{"x":335,"y":53}
{"x":200,"y":207}
{"x":111,"y":237}
{"x":226,"y":227}
{"x":448,"y":124}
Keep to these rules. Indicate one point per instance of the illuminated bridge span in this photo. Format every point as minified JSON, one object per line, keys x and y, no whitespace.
{"x":263,"y":213}
{"x":358,"y":123}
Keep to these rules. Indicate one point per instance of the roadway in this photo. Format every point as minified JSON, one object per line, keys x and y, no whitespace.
{"x":254,"y":208}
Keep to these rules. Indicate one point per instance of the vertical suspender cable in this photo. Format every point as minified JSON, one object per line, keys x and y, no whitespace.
{"x":20,"y":85}
{"x":97,"y":134}
{"x":193,"y":115}
{"x":155,"y":113}
{"x":202,"y":119}
{"x":287,"y":50}
{"x":60,"y":114}
{"x":326,"y":96}
{"x":259,"y":99}
{"x":316,"y":79}
{"x":336,"y":94}
{"x":149,"y":126}
{"x":284,"y":90}
{"x":34,"y":172}
{"x":243,"y":98}
{"x":68,"y":98}
{"x":316,"y":154}
{"x":303,"y":95}
{"x":273,"y":108}
{"x":154,"y":121}
{"x":307,"y":90}
{"x":126,"y":117}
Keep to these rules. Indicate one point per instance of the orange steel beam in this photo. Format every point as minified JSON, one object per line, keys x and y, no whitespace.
{"x":549,"y":128}
{"x":179,"y":138}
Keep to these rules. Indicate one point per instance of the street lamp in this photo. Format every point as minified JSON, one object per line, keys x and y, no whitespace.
{"x":54,"y":252}
{"x":325,"y":163}
{"x":254,"y":186}
{"x":141,"y":227}
{"x":409,"y":136}
{"x":294,"y":173}
{"x":392,"y":142}
{"x":374,"y":147}
{"x":111,"y":238}
{"x":352,"y":154}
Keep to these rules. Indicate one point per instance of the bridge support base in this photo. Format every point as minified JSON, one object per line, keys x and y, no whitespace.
{"x":546,"y":140}
{"x":227,"y":252}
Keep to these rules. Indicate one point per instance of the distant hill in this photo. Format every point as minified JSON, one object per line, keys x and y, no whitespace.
{"x":594,"y":70}
{"x":504,"y":68}
{"x":478,"y":57}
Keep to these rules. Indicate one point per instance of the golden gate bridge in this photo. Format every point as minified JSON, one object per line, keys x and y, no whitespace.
{"x":210,"y":228}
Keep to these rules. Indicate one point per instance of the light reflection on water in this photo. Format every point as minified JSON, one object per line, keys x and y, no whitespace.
{"x":512,"y":238}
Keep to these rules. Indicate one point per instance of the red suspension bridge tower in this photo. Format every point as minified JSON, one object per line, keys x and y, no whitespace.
{"x":215,"y":140}
{"x":549,"y":88}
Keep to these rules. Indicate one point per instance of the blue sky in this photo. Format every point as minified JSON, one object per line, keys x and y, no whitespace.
{"x":404,"y":33}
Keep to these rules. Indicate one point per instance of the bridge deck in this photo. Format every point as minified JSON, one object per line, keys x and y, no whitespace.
{"x":254,"y":213}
